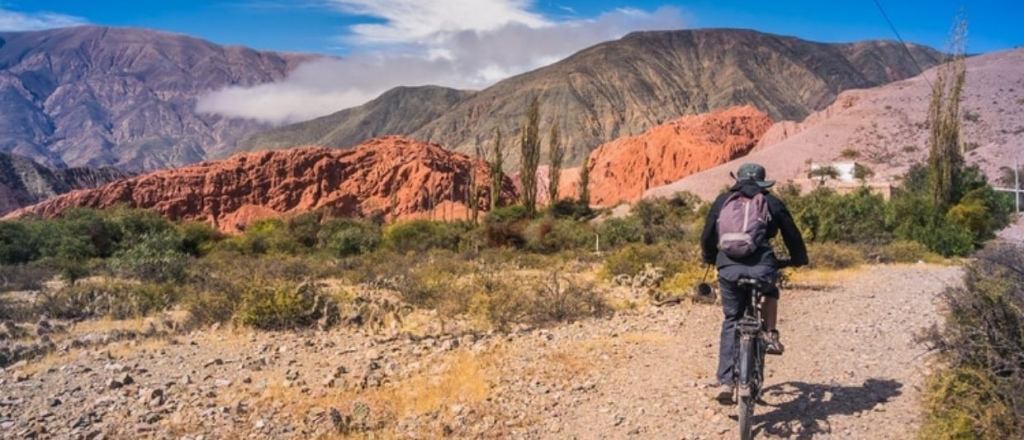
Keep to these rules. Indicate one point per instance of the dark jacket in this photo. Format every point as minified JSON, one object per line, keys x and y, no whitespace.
{"x":781,"y":221}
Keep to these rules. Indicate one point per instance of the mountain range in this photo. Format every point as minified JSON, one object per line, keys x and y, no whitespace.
{"x":98,"y":96}
{"x":623,"y":87}
{"x":24,"y":182}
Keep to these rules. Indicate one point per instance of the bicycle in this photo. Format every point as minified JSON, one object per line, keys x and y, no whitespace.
{"x":748,"y":374}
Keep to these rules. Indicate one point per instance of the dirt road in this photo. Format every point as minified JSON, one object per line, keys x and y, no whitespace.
{"x":851,"y":371}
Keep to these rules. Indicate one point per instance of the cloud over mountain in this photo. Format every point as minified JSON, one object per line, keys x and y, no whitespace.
{"x":466,"y":44}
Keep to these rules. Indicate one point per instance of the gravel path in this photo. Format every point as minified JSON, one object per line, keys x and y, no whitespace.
{"x":851,"y":371}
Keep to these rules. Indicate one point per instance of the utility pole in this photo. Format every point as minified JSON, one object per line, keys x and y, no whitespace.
{"x":1016,"y":183}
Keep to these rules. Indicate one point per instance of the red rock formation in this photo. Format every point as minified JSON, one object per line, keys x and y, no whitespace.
{"x":623,"y":169}
{"x":398,"y":177}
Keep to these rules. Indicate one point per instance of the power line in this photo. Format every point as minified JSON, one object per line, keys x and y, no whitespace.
{"x":900,"y":38}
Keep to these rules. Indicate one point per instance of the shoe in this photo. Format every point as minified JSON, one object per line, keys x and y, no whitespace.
{"x":723,"y":394}
{"x":773,"y":344}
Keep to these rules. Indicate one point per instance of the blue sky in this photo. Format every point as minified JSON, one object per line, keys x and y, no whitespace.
{"x":316,"y":25}
{"x":471,"y":44}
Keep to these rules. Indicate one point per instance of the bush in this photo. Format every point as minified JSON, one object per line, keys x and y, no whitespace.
{"x":156,"y":256}
{"x":198,"y":239}
{"x":570,"y":209}
{"x":16,"y":243}
{"x":630,"y":260}
{"x":29,"y":276}
{"x":343,"y":237}
{"x":505,"y":226}
{"x":832,"y":256}
{"x":278,"y":305}
{"x":553,"y":235}
{"x":979,"y":394}
{"x":915,"y":217}
{"x":663,"y":220}
{"x":117,"y":300}
{"x":824,"y":216}
{"x":270,"y":236}
{"x":558,"y":298}
{"x":905,"y":251}
{"x":424,"y":235}
{"x":304,"y":229}
{"x":497,"y":301}
{"x":616,"y":232}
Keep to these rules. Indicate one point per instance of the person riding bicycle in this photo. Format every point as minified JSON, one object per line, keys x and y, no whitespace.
{"x":737,"y":242}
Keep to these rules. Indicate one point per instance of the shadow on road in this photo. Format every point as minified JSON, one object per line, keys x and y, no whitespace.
{"x":800,"y":410}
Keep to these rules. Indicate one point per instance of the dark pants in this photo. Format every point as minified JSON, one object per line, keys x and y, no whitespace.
{"x":735,"y":300}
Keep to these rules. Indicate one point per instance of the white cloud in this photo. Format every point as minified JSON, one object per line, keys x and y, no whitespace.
{"x":418,"y":21}
{"x":467,"y":44}
{"x":14,"y":21}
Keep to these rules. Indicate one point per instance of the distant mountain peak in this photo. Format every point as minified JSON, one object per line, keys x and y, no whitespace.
{"x":125,"y":97}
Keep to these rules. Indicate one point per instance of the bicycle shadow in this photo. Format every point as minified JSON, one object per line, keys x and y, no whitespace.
{"x":802,"y":410}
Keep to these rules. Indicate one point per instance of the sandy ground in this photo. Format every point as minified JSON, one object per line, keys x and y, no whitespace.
{"x":851,"y":371}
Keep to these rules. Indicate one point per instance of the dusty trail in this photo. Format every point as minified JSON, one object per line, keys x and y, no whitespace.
{"x":851,"y":370}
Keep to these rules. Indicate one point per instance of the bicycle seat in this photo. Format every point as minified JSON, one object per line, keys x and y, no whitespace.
{"x":755,"y":283}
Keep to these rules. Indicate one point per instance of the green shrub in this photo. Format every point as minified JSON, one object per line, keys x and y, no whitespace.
{"x":832,"y":256}
{"x":427,"y":280}
{"x":424,"y":235}
{"x":506,"y":226}
{"x":631,"y":259}
{"x":343,"y":237}
{"x":134,"y":223}
{"x":198,"y":239}
{"x":824,"y":216}
{"x":16,"y":243}
{"x":156,"y":256}
{"x":981,"y":344}
{"x":559,"y":298}
{"x":278,"y":305}
{"x":616,"y":232}
{"x":304,"y":229}
{"x":663,"y":220}
{"x":905,"y":251}
{"x":849,"y":153}
{"x":554,"y":235}
{"x":570,"y":209}
{"x":117,"y":300}
{"x":497,"y":301}
{"x":270,"y":236}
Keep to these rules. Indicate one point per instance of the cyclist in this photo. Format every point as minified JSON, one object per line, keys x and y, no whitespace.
{"x":758,"y":262}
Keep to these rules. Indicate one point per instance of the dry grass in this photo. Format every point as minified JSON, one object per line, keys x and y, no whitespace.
{"x":134,"y":348}
{"x":822,"y":277}
{"x":51,"y":360}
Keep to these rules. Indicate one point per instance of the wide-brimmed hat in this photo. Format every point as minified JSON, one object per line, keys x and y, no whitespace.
{"x":752,"y":171}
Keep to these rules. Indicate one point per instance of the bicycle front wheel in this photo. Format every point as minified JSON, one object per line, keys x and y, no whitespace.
{"x":747,"y":388}
{"x":746,"y":417}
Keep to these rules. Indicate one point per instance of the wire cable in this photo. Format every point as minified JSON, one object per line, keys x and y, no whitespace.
{"x":900,"y":39}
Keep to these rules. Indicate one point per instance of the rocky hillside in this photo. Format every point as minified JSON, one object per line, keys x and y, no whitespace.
{"x":401,"y":110}
{"x":621,"y":88}
{"x":392,"y":176}
{"x":95,"y":96}
{"x":623,"y":169}
{"x":24,"y":182}
{"x":885,"y":128}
